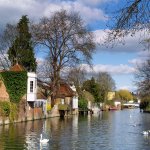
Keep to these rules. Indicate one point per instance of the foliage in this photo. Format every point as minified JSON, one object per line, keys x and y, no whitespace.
{"x":67,"y":42}
{"x":48,"y":107}
{"x":92,"y":87}
{"x":8,"y":109}
{"x":87,"y":96}
{"x":63,"y":107}
{"x":135,"y":98}
{"x":13,"y":112}
{"x":4,"y":108}
{"x":16,"y":84}
{"x":106,"y":84}
{"x":0,"y":80}
{"x":110,"y":102}
{"x":124,"y":95}
{"x":82,"y":103}
{"x":21,"y":51}
{"x":145,"y":102}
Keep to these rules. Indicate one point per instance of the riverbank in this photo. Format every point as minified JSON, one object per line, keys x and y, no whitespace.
{"x":30,"y":113}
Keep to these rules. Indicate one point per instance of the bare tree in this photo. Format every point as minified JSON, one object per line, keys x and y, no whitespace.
{"x":6,"y":39}
{"x":67,"y":42}
{"x":77,"y":76}
{"x":142,"y":77}
{"x":133,"y":17}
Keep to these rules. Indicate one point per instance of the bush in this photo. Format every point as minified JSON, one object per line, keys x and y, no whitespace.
{"x":48,"y":107}
{"x":13,"y":112}
{"x":82,"y":103}
{"x":63,"y":107}
{"x":110,"y":102}
{"x":5,"y":108}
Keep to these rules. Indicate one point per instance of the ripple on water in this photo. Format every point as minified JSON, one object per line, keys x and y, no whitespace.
{"x":109,"y":131}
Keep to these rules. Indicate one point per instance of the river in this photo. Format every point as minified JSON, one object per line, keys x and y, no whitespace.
{"x":114,"y":130}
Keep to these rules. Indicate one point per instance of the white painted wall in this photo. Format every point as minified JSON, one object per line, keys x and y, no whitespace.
{"x":75,"y":98}
{"x":75,"y":102}
{"x":117,"y":103}
{"x":31,"y":92}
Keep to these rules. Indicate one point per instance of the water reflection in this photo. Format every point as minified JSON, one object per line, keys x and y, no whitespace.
{"x":116,"y":130}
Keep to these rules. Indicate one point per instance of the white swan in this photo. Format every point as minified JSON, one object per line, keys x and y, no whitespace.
{"x":145,"y":132}
{"x":43,"y":140}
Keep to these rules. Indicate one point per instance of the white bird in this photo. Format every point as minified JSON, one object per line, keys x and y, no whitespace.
{"x":145,"y":132}
{"x":43,"y":140}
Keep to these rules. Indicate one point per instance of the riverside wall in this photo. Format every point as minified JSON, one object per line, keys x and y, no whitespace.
{"x":29,"y":113}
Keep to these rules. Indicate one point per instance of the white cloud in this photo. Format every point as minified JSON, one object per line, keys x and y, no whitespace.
{"x":136,"y":61}
{"x":12,"y":10}
{"x":141,"y":58}
{"x":144,"y":54}
{"x":112,"y":69}
{"x":131,"y":44}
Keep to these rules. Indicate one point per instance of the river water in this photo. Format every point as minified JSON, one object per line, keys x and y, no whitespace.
{"x":114,"y":130}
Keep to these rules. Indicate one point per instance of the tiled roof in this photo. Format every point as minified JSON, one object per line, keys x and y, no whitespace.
{"x":65,"y":90}
{"x":17,"y":67}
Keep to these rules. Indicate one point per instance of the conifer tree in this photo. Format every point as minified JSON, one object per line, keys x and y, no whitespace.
{"x":21,"y":50}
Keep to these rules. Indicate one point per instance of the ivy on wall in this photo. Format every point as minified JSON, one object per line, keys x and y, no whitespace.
{"x":4,"y":108}
{"x":8,"y":109}
{"x":0,"y":80}
{"x":16,"y":84}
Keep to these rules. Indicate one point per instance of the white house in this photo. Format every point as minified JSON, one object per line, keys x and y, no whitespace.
{"x":31,"y":87}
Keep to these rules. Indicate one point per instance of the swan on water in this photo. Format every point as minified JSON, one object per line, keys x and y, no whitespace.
{"x":43,"y":140}
{"x":145,"y":132}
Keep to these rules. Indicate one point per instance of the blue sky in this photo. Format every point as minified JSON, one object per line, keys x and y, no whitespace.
{"x":119,"y":61}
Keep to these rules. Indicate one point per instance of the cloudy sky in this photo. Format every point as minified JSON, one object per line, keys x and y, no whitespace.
{"x":119,"y":61}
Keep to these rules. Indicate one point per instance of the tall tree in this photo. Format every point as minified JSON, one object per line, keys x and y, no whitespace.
{"x":106,"y":84}
{"x":93,"y":87}
{"x":67,"y":41}
{"x":21,"y":50}
{"x":7,"y":38}
{"x":124,"y":95}
{"x":142,"y":77}
{"x":77,"y":76}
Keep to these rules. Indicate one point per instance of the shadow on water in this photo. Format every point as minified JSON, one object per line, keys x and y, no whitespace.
{"x":115,"y":130}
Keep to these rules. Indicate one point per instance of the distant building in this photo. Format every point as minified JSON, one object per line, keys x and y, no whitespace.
{"x":110,"y":95}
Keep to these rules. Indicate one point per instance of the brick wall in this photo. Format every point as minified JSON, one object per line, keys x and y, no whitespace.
{"x":3,"y":93}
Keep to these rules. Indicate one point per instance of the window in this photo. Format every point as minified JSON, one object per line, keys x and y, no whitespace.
{"x":62,"y":101}
{"x":31,"y":86}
